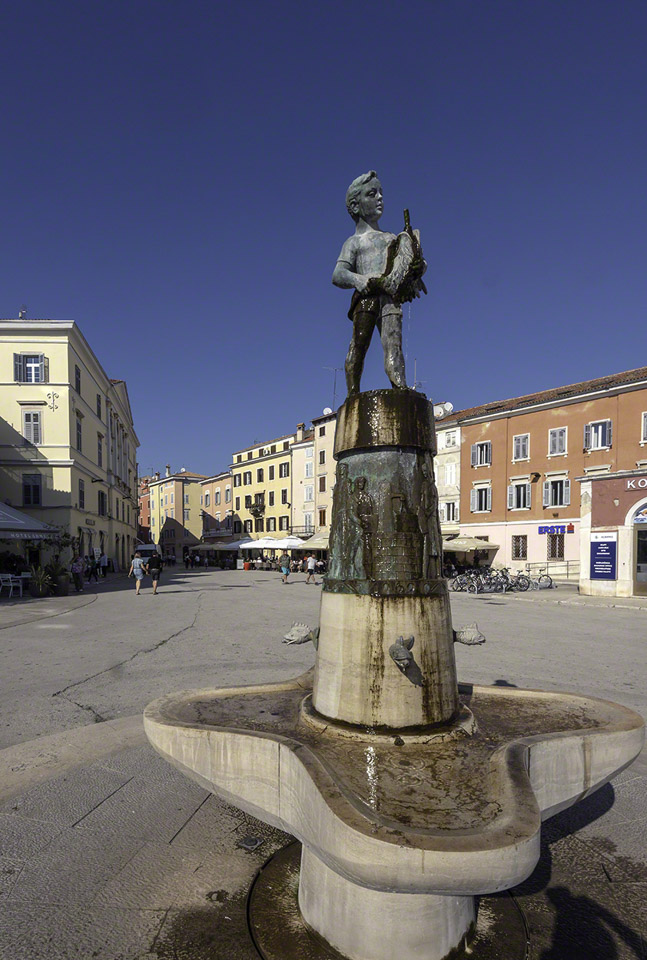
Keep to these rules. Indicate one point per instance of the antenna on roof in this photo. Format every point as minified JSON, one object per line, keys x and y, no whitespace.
{"x":22,"y":313}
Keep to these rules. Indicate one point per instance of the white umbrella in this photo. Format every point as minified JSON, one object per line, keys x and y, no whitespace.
{"x":265,"y":543}
{"x":288,"y":543}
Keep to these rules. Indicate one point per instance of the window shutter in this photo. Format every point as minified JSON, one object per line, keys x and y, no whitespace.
{"x":474,"y":455}
{"x":552,"y":445}
{"x":473,"y":498}
{"x":441,"y":511}
{"x":644,"y":433}
{"x":18,"y":368}
{"x":27,"y":427}
{"x":489,"y":498}
{"x":567,"y":492}
{"x":609,"y":432}
{"x":35,"y":428}
{"x":511,"y":497}
{"x":488,"y":452}
{"x":587,"y":436}
{"x":546,"y":493}
{"x":528,"y":494}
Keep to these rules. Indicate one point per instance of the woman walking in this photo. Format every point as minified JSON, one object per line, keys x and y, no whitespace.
{"x":137,"y":571}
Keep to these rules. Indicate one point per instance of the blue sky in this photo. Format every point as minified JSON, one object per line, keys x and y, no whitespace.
{"x":174,"y":175}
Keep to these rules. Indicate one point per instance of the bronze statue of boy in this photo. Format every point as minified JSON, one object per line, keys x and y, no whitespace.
{"x":385,"y":270}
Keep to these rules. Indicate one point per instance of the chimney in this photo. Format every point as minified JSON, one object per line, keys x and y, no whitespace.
{"x":157,"y":475}
{"x":301,"y":429}
{"x":168,"y":469}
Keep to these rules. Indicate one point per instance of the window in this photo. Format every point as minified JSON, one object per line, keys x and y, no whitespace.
{"x":227,"y":494}
{"x":172,"y":497}
{"x":284,"y":470}
{"x":270,"y":498}
{"x":273,"y":448}
{"x":238,"y":527}
{"x":30,"y":368}
{"x":308,"y":521}
{"x":77,"y":379}
{"x":259,"y":499}
{"x":186,"y":497}
{"x":520,"y":547}
{"x":308,"y":492}
{"x":102,"y":503}
{"x":643,"y":434}
{"x":99,"y":405}
{"x":201,"y":499}
{"x":322,"y":456}
{"x":237,"y":504}
{"x":450,"y":474}
{"x":309,"y":470}
{"x":248,"y":526}
{"x":450,"y":511}
{"x":99,"y":450}
{"x":286,"y":444}
{"x":260,"y":475}
{"x":239,"y":460}
{"x":597,"y":435}
{"x":31,"y":426}
{"x":481,"y":454}
{"x":250,"y":454}
{"x":247,"y":478}
{"x":556,"y":441}
{"x":79,"y":434}
{"x":284,"y":523}
{"x":284,"y":496}
{"x":270,"y":473}
{"x":521,"y":447}
{"x":81,"y":494}
{"x":165,"y":500}
{"x":557,"y":493}
{"x":322,"y":518}
{"x":309,"y":453}
{"x":450,"y":439}
{"x":555,"y":546}
{"x":259,"y":525}
{"x":217,"y":497}
{"x":322,"y":484}
{"x":322,"y":431}
{"x":31,"y":489}
{"x":271,"y":524}
{"x":186,"y":515}
{"x":519,"y":496}
{"x":248,"y":501}
{"x":237,"y":479}
{"x":481,"y":499}
{"x":207,"y":499}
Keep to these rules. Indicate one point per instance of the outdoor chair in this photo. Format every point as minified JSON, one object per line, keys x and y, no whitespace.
{"x":11,"y":583}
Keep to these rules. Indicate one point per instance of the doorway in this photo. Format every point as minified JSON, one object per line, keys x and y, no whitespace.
{"x":640,"y":567}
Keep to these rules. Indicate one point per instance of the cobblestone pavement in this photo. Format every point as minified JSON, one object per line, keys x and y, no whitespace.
{"x":106,"y":852}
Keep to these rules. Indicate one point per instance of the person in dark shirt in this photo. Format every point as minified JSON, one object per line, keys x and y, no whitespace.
{"x":155,"y":570}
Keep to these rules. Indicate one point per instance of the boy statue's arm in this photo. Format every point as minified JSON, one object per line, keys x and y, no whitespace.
{"x":344,"y":275}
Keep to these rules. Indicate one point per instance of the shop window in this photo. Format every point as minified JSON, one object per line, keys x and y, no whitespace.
{"x":557,"y":493}
{"x":521,"y":447}
{"x":481,"y":454}
{"x":555,"y":546}
{"x":481,"y":499}
{"x":519,"y":496}
{"x":31,"y":489}
{"x":557,"y":442}
{"x":597,"y":435}
{"x":520,"y":547}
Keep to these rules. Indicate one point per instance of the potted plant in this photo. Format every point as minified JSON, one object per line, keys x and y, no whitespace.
{"x":60,"y":579}
{"x":40,"y":583}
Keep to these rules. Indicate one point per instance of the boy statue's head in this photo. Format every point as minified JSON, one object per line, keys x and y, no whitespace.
{"x":357,"y":191}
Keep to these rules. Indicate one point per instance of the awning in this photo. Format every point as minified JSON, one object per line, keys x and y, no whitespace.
{"x":318,"y":542}
{"x":288,"y":543}
{"x":467,"y":545}
{"x":15,"y":525}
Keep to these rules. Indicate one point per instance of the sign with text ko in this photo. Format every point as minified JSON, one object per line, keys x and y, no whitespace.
{"x":604,"y":552}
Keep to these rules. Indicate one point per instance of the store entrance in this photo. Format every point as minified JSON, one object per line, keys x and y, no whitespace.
{"x":640,"y":553}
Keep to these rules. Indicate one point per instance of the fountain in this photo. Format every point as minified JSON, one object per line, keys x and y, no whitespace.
{"x":412,"y":795}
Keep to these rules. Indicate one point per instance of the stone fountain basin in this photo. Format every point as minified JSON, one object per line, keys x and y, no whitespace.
{"x":448,"y":812}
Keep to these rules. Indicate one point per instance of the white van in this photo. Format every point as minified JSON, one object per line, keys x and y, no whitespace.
{"x":146,"y":550}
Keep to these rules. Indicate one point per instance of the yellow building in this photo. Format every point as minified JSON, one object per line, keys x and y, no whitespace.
{"x":216,"y":502}
{"x":67,"y":441}
{"x":324,"y":470}
{"x":262,"y":487}
{"x":175,"y":511}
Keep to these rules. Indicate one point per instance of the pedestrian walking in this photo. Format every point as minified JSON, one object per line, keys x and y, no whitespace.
{"x":311,"y":564}
{"x":103,"y":565}
{"x":137,"y":570}
{"x":284,"y":563}
{"x":187,"y":561}
{"x":77,"y":572}
{"x":155,"y":569}
{"x":93,"y":569}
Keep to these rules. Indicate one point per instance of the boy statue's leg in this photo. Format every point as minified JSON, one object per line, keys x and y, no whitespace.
{"x":390,"y":327}
{"x":363,"y":326}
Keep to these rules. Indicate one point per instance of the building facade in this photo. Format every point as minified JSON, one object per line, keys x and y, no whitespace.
{"x":447,"y":468}
{"x":175,"y":511}
{"x":325,"y":470}
{"x":216,"y":502}
{"x":303,"y":486}
{"x":144,"y":511}
{"x":523,"y":459}
{"x":68,"y":444}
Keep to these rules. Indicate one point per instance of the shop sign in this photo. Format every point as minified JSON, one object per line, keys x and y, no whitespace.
{"x":89,"y":522}
{"x":604,"y":550}
{"x":637,"y":483}
{"x":557,"y":528}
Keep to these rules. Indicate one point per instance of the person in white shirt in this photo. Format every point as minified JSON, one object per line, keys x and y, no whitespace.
{"x":311,"y":565}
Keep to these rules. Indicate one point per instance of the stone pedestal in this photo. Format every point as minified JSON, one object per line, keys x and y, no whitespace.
{"x":384,"y":578}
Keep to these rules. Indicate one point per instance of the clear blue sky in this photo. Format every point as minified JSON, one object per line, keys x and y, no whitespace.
{"x":173,"y":178}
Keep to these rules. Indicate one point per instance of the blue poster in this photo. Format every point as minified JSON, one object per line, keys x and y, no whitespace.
{"x":604,"y":548}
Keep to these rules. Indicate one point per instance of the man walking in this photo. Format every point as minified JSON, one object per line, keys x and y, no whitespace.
{"x":311,"y":565}
{"x":155,"y":569}
{"x":284,"y":564}
{"x":103,"y":564}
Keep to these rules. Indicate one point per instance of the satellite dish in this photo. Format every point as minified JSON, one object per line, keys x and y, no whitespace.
{"x":442,"y":410}
{"x":327,"y":410}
